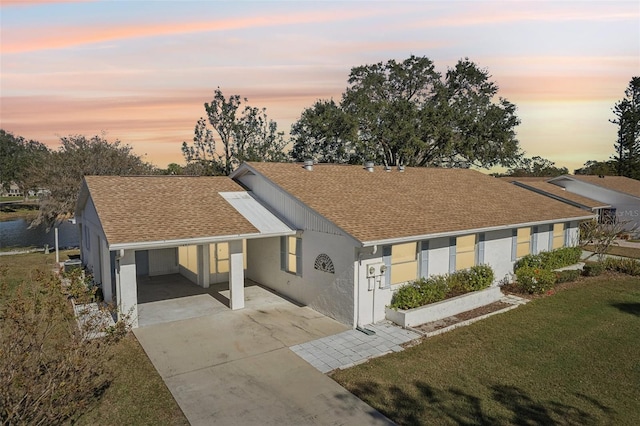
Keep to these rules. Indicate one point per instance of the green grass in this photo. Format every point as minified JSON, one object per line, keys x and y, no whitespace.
{"x":568,"y":359}
{"x":621,"y":251}
{"x":15,"y":212}
{"x":137,"y":394}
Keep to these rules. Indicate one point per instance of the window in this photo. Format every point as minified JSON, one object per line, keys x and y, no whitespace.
{"x":291,"y":254}
{"x":465,"y":252}
{"x":523,"y":242}
{"x":402,"y":262}
{"x":558,"y":235}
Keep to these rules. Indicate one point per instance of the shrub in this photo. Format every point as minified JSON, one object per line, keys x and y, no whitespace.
{"x":554,"y":259}
{"x":528,"y":261}
{"x":476,"y":278}
{"x":421,"y":292}
{"x":535,"y":280}
{"x":406,"y":297}
{"x":623,"y":265}
{"x":433,"y":289}
{"x":567,"y":276}
{"x":593,"y":269}
{"x":559,"y":258}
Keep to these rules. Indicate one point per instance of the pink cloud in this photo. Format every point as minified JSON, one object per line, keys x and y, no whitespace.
{"x":54,"y":37}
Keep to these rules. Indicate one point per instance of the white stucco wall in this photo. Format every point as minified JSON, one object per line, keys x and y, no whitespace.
{"x":497,"y":253}
{"x":438,"y":256}
{"x":330,"y":294}
{"x":542,"y":239}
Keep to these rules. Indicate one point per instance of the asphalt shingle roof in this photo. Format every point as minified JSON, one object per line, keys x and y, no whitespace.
{"x":381,"y":205}
{"x":160,"y":208}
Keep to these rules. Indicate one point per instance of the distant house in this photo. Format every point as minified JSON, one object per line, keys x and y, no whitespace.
{"x":13,"y":191}
{"x":559,"y":193}
{"x":608,"y":196}
{"x":318,"y":234}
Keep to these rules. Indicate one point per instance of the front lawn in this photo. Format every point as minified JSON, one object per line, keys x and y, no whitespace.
{"x":569,"y":359}
{"x":136,"y":395}
{"x":620,"y":251}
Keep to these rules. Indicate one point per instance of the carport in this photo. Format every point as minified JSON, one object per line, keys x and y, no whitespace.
{"x":207,"y":270}
{"x":144,"y":227}
{"x":166,"y":298}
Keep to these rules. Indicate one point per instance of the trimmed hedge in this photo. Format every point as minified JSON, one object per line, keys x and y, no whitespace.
{"x":436,"y":288}
{"x":554,"y":259}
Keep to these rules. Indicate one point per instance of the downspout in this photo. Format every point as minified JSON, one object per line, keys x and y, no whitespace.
{"x":361,"y":252}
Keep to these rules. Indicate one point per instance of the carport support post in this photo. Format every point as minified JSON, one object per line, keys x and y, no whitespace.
{"x":128,"y":288}
{"x":204,"y":266}
{"x":236,"y":275}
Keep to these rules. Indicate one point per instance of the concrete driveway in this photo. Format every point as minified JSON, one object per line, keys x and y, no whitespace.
{"x":236,"y":368}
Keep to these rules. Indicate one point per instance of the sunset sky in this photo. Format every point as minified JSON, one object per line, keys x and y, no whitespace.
{"x":142,"y":70}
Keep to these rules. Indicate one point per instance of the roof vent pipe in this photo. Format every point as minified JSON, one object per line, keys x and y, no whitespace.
{"x":308,"y":165}
{"x":368,"y":166}
{"x":400,"y":168}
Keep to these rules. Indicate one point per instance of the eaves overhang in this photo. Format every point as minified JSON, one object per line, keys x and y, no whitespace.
{"x":411,"y":238}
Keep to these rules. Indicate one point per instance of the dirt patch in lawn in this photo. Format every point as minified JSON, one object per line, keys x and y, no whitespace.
{"x":464,"y":316}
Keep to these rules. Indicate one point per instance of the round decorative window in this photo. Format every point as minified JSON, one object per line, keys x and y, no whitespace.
{"x":324,"y":263}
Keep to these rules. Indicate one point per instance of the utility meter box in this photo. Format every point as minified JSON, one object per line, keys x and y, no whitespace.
{"x":376,"y":270}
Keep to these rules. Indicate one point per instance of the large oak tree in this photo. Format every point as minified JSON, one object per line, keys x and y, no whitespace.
{"x":408,"y":113}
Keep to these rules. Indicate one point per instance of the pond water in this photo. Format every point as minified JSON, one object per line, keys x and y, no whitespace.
{"x":16,"y":233}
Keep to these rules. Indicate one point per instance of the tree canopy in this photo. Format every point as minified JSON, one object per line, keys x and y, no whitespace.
{"x":17,"y":157}
{"x":601,"y":168}
{"x":61,"y":174}
{"x":236,"y":135}
{"x":536,"y":166}
{"x":408,"y":113}
{"x":627,"y":118}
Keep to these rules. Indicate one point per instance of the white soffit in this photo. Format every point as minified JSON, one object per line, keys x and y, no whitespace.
{"x":257,"y":214}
